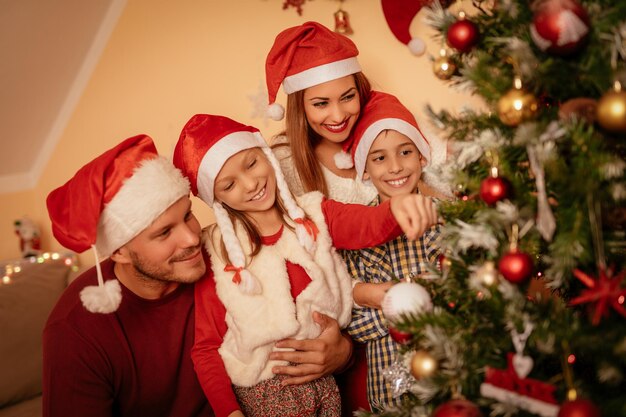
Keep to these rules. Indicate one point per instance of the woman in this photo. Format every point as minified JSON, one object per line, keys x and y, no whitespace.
{"x":325,"y":91}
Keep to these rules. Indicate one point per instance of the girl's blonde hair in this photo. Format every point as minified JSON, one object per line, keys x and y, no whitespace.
{"x":302,"y":139}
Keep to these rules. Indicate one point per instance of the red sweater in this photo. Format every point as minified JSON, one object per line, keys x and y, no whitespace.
{"x":133,"y":362}
{"x":351,"y":226}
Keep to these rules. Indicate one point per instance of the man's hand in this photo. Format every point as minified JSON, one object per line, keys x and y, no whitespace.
{"x":370,"y":294}
{"x":414,"y":213}
{"x":314,"y":358}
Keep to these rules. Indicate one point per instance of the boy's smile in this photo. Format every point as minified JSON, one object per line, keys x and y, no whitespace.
{"x":394,"y":164}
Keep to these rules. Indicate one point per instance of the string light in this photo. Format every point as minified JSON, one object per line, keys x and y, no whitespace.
{"x":12,"y":269}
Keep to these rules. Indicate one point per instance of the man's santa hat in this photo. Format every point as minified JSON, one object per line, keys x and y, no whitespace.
{"x":108,"y":202}
{"x":384,"y":112}
{"x":304,"y":56}
{"x":205,"y":144}
{"x":399,"y":15}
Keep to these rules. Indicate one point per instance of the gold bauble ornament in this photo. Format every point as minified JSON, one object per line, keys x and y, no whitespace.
{"x":611,"y":110}
{"x":444,"y":67}
{"x":423,"y":364}
{"x":517,"y":106}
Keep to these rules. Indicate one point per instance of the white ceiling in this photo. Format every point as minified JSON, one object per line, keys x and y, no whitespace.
{"x":48,"y":49}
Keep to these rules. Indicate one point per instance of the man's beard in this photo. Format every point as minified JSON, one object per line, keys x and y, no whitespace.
{"x":147,"y":271}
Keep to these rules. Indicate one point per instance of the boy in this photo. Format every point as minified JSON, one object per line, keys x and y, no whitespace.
{"x":390,"y":151}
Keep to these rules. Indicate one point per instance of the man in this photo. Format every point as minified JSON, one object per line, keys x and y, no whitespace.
{"x":122,"y":347}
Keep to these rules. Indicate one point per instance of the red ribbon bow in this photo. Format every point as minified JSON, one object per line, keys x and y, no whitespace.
{"x":236,"y":270}
{"x":310,"y":227}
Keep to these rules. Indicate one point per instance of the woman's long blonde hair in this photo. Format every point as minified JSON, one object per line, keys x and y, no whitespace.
{"x":302,"y":139}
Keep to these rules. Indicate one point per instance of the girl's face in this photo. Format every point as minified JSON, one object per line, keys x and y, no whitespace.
{"x":247,"y":182}
{"x":332,"y":108}
{"x":394,"y":164}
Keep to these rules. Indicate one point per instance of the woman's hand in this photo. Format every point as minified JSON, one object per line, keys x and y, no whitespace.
{"x":414,"y":213}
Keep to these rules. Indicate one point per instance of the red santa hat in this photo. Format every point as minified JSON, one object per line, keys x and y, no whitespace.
{"x":304,"y":56}
{"x":108,"y":202}
{"x":399,"y":15}
{"x":384,"y":112}
{"x":205,"y":144}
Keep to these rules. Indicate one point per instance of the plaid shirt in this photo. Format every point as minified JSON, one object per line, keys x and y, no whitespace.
{"x":395,"y":259}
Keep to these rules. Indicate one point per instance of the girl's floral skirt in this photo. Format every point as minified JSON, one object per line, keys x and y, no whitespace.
{"x":268,"y":399}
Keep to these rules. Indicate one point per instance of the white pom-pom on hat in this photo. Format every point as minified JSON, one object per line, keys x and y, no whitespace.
{"x":417,"y":46}
{"x":102,"y":299}
{"x":276,"y":112}
{"x":343,"y":160}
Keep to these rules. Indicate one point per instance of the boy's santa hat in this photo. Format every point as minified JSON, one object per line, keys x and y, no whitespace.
{"x":205,"y":144}
{"x":384,"y":112}
{"x":108,"y":202}
{"x":399,"y":15}
{"x":304,"y":56}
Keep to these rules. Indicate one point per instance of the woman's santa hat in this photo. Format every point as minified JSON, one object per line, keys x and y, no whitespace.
{"x":304,"y":56}
{"x":108,"y":202}
{"x":205,"y":144}
{"x":384,"y":112}
{"x":399,"y":15}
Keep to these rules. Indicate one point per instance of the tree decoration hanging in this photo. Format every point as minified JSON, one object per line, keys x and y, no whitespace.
{"x":463,"y":34}
{"x":297,"y":4}
{"x":342,"y":21}
{"x":515,"y":266}
{"x":444,"y":67}
{"x":579,"y":408}
{"x":559,"y":27}
{"x":457,"y":408}
{"x":423,"y":364}
{"x":405,"y":298}
{"x":517,"y":105}
{"x":494,"y":188}
{"x":611,"y":110}
{"x":604,"y":292}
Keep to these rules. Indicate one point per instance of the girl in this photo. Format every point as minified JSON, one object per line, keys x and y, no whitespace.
{"x":325,"y":90}
{"x":274,"y":265}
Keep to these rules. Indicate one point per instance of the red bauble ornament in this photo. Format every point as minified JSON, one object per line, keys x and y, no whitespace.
{"x":579,"y":408}
{"x":559,"y":26}
{"x":463,"y":35}
{"x":399,"y":336}
{"x":516,"y":266}
{"x":457,"y":408}
{"x":494,"y":189}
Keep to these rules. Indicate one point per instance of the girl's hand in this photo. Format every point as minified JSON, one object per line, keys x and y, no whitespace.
{"x":236,"y":414}
{"x":370,"y":294}
{"x":414,"y":213}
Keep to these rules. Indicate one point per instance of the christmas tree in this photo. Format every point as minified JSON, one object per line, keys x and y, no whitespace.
{"x":528,"y":309}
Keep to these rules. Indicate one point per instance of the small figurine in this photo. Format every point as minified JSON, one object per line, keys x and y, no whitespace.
{"x":28,"y":232}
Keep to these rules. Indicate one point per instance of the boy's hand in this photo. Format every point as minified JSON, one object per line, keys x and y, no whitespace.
{"x":414,"y":213}
{"x":369,"y":294}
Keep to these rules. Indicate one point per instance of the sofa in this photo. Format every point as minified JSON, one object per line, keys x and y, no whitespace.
{"x":29,"y":288}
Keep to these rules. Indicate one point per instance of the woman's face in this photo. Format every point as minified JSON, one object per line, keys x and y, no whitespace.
{"x":332,"y":108}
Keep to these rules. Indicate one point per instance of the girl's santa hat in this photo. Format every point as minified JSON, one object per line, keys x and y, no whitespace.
{"x":108,"y":202}
{"x":205,"y":144}
{"x":399,"y":15}
{"x":304,"y":56}
{"x":384,"y":112}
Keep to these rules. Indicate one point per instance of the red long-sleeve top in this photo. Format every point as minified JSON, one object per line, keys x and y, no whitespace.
{"x":351,"y":226}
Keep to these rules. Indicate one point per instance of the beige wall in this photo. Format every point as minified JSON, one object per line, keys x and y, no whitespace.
{"x":166,"y":61}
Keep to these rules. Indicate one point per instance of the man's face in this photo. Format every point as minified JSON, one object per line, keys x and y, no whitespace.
{"x":169,"y":250}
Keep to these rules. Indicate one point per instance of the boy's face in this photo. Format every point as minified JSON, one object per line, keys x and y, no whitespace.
{"x":393,"y":164}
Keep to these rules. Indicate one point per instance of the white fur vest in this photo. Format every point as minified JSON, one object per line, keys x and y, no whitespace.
{"x":256,"y":322}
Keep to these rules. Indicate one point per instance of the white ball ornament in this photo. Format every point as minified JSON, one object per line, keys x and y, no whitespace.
{"x":405,"y":298}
